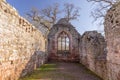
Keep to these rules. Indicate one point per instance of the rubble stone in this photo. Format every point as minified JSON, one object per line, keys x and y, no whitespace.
{"x":22,"y":46}
{"x":112,"y":33}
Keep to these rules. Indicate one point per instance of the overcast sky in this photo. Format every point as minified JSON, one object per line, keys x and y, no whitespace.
{"x":85,"y":22}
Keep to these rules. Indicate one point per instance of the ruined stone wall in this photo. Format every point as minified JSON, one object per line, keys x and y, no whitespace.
{"x":93,"y":54}
{"x":22,"y":47}
{"x":74,"y":40}
{"x":112,"y":33}
{"x":105,"y":62}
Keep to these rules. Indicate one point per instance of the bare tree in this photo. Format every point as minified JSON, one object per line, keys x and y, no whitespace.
{"x":48,"y":16}
{"x":36,"y":18}
{"x":71,"y":12}
{"x":38,"y":21}
{"x":51,"y":13}
{"x":43,"y":19}
{"x":33,"y":14}
{"x":101,"y":8}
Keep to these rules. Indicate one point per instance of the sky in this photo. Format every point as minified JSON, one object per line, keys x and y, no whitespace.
{"x":85,"y":22}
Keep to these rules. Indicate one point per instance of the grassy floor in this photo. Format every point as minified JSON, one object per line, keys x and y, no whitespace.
{"x":48,"y":72}
{"x":52,"y":71}
{"x":45,"y":71}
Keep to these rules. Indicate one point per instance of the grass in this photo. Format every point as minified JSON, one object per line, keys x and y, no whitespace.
{"x":53,"y":72}
{"x":48,"y":67}
{"x":42,"y":72}
{"x":48,"y":72}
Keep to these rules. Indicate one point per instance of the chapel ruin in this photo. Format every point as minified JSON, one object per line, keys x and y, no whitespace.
{"x":23,"y":48}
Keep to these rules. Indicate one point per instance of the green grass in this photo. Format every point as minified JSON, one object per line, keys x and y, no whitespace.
{"x":53,"y":72}
{"x":48,"y":67}
{"x":48,"y":72}
{"x":44,"y":71}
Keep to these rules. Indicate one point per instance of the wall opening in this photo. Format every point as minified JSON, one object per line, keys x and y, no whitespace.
{"x":63,"y":44}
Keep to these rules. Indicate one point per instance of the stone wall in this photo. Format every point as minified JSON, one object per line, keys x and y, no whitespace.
{"x":93,"y":53}
{"x":112,"y":33}
{"x":22,"y":47}
{"x":74,"y":41}
{"x":102,"y":57}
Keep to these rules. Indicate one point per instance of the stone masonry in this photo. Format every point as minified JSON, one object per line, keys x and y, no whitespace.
{"x":74,"y":40}
{"x":112,"y":33}
{"x":103,"y":56}
{"x":93,"y":53}
{"x":22,"y":46}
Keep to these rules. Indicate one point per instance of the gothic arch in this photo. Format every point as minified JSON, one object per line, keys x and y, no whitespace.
{"x":70,"y":40}
{"x":63,"y":53}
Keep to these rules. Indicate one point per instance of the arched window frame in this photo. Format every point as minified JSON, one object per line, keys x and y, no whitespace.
{"x":63,"y":42}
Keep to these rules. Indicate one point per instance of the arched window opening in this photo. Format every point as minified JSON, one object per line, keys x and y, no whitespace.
{"x":63,"y":42}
